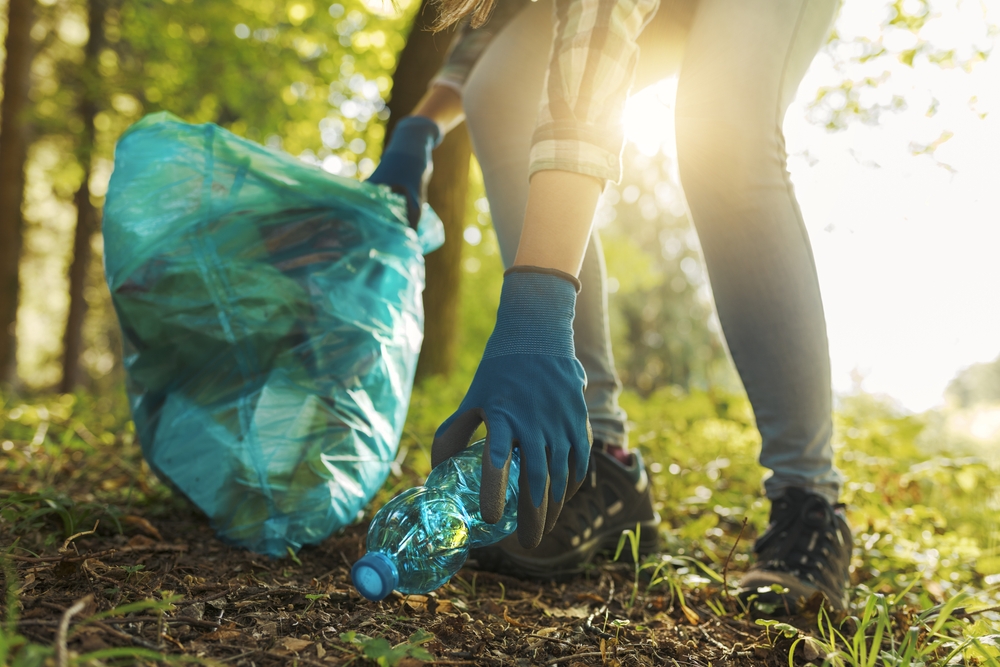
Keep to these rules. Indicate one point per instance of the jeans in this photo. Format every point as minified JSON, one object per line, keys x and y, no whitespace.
{"x":740,"y":66}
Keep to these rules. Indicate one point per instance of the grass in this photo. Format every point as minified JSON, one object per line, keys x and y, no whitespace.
{"x":927,"y":541}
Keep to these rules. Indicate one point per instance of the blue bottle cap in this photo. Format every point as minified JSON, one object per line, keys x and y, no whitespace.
{"x":374,"y":575}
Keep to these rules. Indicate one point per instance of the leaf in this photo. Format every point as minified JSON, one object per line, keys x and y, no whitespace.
{"x":223,"y":635}
{"x":143,"y":525}
{"x":786,"y":629}
{"x":420,"y":653}
{"x":582,"y":611}
{"x":379,"y":650}
{"x":691,"y":615}
{"x":419,"y":637}
{"x":295,"y":645}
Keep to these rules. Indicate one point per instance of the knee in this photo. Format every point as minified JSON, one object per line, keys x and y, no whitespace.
{"x":709,"y":138}
{"x":723,"y":144}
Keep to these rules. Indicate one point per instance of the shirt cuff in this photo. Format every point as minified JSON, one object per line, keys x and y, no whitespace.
{"x":453,"y":80}
{"x":552,"y":150}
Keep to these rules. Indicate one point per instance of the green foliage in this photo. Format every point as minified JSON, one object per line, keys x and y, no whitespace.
{"x":658,"y":283}
{"x":976,"y":385}
{"x":632,"y":537}
{"x":924,"y":520}
{"x":906,"y":36}
{"x":17,"y":651}
{"x":28,"y":513}
{"x":783,"y":629}
{"x":932,"y":515}
{"x":382,"y":653}
{"x":69,"y":462}
{"x":889,"y":635}
{"x":306,"y":77}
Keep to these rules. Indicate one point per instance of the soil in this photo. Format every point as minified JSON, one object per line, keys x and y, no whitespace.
{"x":244,"y":609}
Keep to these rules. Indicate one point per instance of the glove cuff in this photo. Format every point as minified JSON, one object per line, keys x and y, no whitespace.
{"x":522,"y":268}
{"x":415,"y":135}
{"x":537,"y":307}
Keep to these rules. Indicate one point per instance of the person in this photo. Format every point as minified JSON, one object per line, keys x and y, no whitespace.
{"x":541,"y":86}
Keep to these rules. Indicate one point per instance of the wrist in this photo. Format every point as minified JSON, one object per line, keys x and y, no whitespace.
{"x":416,"y":136}
{"x":535,"y":315}
{"x":525,"y":268}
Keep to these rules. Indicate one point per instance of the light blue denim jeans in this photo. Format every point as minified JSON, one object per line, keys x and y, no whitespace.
{"x":741,"y":64}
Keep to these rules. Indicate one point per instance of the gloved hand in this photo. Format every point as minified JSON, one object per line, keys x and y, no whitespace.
{"x":406,"y":164}
{"x":528,"y":390}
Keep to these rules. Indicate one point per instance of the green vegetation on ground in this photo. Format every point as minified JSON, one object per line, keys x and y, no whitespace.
{"x":927,"y":536}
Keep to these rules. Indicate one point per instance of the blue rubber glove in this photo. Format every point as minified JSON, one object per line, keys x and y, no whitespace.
{"x":528,"y":390}
{"x":406,"y":164}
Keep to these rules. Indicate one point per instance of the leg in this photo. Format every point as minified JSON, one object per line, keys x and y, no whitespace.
{"x":501,"y":102}
{"x":743,"y":64}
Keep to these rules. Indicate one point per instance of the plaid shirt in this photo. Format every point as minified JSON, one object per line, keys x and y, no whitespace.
{"x":593,"y":59}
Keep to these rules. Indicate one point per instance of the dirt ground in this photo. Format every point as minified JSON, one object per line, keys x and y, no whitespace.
{"x":242,"y":609}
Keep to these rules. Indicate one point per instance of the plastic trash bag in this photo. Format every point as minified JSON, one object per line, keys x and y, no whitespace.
{"x":271,"y":316}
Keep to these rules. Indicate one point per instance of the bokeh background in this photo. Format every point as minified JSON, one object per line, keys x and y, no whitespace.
{"x":891,"y":146}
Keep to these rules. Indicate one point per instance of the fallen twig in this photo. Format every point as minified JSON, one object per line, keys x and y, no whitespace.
{"x":725,"y":567}
{"x":553,"y":639}
{"x":65,"y":545}
{"x":587,"y":654}
{"x":589,"y":625}
{"x":98,"y":554}
{"x":173,"y":620}
{"x":62,"y":657}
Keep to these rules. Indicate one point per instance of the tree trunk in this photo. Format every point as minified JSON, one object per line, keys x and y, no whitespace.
{"x":446,"y":194}
{"x":13,"y":155}
{"x":421,"y":57}
{"x":86,"y":214}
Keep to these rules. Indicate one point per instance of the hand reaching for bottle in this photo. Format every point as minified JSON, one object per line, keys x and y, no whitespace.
{"x":528,"y":390}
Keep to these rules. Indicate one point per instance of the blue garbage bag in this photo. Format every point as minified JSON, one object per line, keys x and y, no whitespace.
{"x":271,"y":316}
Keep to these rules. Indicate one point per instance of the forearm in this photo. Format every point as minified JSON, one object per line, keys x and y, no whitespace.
{"x":558,"y":220}
{"x":443,"y":105}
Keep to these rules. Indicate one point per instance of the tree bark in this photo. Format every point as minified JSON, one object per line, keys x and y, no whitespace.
{"x":86,"y":213}
{"x":13,"y":155}
{"x":419,"y":61}
{"x":447,"y":194}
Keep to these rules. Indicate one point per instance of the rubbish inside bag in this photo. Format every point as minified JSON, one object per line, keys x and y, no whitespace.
{"x":271,"y":315}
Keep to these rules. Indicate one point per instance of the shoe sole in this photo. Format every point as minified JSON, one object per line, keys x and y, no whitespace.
{"x":572,"y":563}
{"x":792,"y":602}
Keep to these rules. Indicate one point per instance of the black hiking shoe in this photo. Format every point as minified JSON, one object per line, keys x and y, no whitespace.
{"x":806,"y":550}
{"x":613,"y":499}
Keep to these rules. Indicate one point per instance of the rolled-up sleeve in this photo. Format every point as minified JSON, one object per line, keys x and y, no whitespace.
{"x":591,"y":66}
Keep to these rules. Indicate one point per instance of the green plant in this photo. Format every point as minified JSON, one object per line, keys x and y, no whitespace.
{"x":17,"y":651}
{"x":380,"y":651}
{"x":10,"y":639}
{"x":30,"y":512}
{"x":873,"y":637}
{"x":633,"y":539}
{"x":291,"y":554}
{"x":779,"y":627}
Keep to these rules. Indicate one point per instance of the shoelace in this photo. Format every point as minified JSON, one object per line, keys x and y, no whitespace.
{"x":809,"y":554}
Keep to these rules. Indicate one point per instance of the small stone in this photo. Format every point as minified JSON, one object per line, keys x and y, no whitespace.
{"x":810,"y":649}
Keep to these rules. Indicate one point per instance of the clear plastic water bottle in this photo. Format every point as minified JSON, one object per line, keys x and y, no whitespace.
{"x":422,"y":537}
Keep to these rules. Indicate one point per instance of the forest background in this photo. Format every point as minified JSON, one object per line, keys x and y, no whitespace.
{"x":324,"y":82}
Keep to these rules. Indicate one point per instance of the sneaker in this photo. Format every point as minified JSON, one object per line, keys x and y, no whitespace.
{"x":613,"y":499}
{"x":806,"y":550}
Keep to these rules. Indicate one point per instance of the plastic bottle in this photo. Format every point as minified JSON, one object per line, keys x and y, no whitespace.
{"x":422,"y":537}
